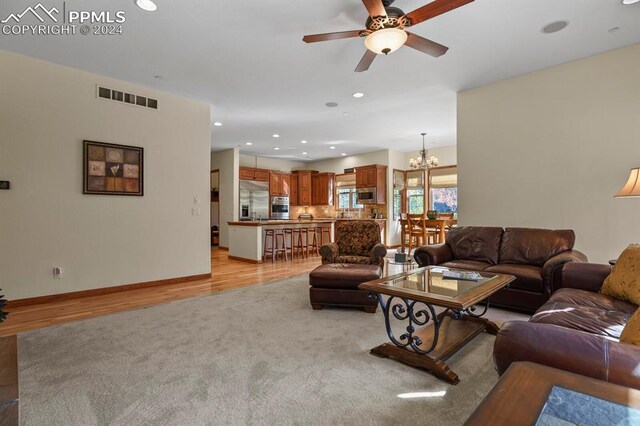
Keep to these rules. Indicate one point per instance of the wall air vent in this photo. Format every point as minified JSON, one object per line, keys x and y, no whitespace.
{"x":127,"y":98}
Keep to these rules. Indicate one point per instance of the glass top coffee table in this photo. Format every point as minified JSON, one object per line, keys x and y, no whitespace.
{"x":429,"y":338}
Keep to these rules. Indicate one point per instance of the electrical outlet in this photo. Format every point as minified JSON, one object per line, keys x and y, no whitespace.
{"x":57,"y":273}
{"x":196,"y":200}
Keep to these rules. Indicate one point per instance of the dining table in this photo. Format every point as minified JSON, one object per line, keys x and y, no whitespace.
{"x":440,"y":225}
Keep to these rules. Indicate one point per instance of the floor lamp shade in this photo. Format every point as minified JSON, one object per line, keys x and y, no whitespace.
{"x":632,"y":187}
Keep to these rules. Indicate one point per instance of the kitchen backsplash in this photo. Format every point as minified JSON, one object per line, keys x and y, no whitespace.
{"x":319,"y":212}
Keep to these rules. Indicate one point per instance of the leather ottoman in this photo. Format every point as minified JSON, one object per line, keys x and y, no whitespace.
{"x":336,"y":284}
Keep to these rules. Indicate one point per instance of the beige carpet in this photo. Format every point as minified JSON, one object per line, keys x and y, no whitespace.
{"x":258,"y":355}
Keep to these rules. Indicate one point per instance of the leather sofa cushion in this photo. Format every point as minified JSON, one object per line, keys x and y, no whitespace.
{"x":534,"y":246}
{"x":590,"y":299}
{"x":466,"y":264}
{"x":343,"y":275}
{"x":475,"y":243}
{"x":590,"y":320}
{"x":528,"y":277}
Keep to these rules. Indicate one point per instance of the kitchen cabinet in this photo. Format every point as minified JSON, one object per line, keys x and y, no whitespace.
{"x":373,"y":176}
{"x":279,"y":184}
{"x":250,"y":173}
{"x":322,"y":188}
{"x":300,"y":186}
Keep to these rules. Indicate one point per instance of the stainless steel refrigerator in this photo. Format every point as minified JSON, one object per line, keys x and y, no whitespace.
{"x":254,"y":200}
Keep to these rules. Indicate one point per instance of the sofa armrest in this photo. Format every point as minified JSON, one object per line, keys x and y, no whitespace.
{"x":552,"y":268}
{"x":433,"y":255}
{"x":378,"y":252}
{"x":566,"y":349}
{"x":584,"y":276}
{"x":329,"y":252}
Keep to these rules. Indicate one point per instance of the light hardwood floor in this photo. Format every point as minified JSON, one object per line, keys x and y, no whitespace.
{"x":226,"y":274}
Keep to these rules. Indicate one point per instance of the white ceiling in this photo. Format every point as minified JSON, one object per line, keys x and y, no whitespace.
{"x":247,"y":58}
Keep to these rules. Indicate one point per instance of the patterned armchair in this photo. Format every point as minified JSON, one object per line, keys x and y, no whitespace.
{"x":357,"y":241}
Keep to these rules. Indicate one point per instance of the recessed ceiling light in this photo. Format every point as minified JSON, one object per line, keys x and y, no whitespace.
{"x":217,"y":124}
{"x":554,"y":27}
{"x":158,"y":77}
{"x":276,"y":135}
{"x":630,"y":1}
{"x":332,"y":147}
{"x":248,"y":143}
{"x":303,"y":141}
{"x":331,"y":104}
{"x":614,"y":30}
{"x":304,"y":153}
{"x":345,"y":113}
{"x":147,"y":5}
{"x":343,"y":154}
{"x":358,"y":95}
{"x":276,"y":149}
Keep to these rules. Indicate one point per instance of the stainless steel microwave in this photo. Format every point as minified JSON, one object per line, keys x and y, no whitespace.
{"x":366,"y":196}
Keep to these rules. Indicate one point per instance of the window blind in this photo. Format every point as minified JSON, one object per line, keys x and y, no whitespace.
{"x":443,"y":178}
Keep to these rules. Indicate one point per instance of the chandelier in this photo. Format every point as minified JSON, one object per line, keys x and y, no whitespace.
{"x":424,"y":161}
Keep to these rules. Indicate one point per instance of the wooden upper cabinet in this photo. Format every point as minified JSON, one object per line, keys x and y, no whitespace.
{"x":246,"y":173}
{"x":300,"y":187}
{"x":322,"y":188}
{"x":293,"y":190}
{"x":278,"y":184}
{"x":249,"y":173}
{"x":373,"y":176}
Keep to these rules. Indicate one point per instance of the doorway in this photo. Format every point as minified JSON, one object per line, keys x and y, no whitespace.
{"x":215,"y":208}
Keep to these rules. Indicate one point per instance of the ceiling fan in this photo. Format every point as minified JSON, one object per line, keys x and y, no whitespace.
{"x":385,"y":29}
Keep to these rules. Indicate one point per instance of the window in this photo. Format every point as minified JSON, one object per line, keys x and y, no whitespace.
{"x":347,"y":199}
{"x":398,"y":187}
{"x":415,"y":199}
{"x":443,"y":189}
{"x":346,"y":192}
{"x":415,"y":192}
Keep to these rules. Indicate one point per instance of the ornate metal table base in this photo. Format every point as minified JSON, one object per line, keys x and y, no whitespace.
{"x":439,"y":336}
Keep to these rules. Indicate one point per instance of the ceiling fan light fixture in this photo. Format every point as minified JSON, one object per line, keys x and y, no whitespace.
{"x":386,"y":40}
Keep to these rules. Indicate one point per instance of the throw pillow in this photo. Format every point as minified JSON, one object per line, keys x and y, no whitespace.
{"x":624,"y":281}
{"x":631,"y":331}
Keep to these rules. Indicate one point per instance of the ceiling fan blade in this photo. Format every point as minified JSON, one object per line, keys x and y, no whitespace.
{"x":375,"y":8}
{"x":366,"y":61}
{"x":331,"y":36}
{"x":433,"y":9}
{"x":425,"y":45}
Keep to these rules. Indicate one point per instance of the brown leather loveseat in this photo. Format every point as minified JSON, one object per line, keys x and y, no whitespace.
{"x":577,"y":330}
{"x":534,"y":256}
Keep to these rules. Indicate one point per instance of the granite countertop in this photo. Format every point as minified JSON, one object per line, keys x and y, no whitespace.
{"x":291,"y":222}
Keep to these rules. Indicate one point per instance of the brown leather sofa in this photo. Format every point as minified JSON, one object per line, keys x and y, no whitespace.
{"x":534,"y":256}
{"x":356,"y":241}
{"x":577,"y":330}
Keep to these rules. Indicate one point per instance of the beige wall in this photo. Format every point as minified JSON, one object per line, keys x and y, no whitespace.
{"x":270,"y":163}
{"x":227,"y":162}
{"x":549,"y":149}
{"x":46,"y":111}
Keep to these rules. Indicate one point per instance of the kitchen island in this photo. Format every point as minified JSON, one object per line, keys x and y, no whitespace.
{"x":246,"y":239}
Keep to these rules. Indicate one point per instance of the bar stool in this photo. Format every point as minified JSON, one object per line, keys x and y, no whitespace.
{"x":322,"y":231}
{"x":313,"y":245}
{"x":298,"y":244}
{"x":278,"y":244}
{"x":288,"y":238}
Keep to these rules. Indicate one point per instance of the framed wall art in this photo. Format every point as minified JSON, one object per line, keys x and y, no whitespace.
{"x":111,"y":169}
